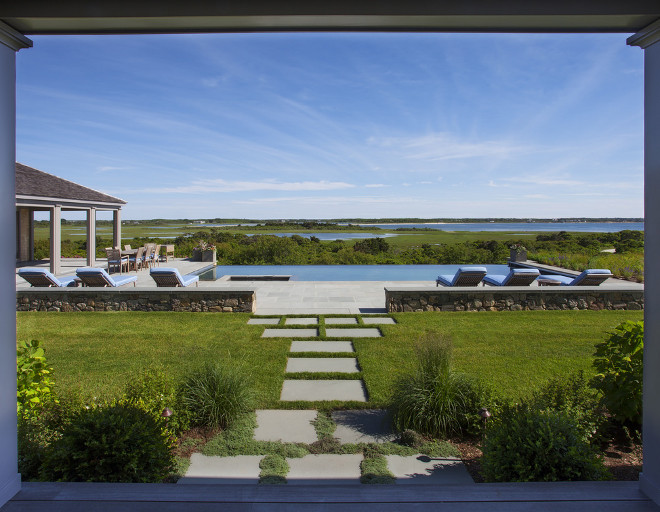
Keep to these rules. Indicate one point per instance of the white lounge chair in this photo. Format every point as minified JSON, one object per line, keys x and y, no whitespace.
{"x":516,"y":277}
{"x":91,"y":276}
{"x":41,"y":277}
{"x":465,"y":276}
{"x":171,"y":277}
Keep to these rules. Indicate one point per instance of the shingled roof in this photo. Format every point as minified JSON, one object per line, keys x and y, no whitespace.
{"x":35,"y":183}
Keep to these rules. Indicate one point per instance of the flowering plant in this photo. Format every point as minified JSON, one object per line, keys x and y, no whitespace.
{"x":518,"y":247}
{"x":205,"y":246}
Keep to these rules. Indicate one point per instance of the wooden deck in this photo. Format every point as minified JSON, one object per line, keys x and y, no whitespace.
{"x":563,"y":496}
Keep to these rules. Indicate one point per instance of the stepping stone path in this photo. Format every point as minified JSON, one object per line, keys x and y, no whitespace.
{"x":297,"y":426}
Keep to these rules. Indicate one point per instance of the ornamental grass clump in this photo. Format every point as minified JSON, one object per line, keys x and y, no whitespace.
{"x":434,"y":399}
{"x":216,"y":396}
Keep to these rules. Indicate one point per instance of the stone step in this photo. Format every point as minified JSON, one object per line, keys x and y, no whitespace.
{"x":286,"y":426}
{"x":357,"y":332}
{"x":290,"y":333}
{"x":322,"y":364}
{"x":322,"y":390}
{"x":325,"y":469}
{"x":322,"y":346}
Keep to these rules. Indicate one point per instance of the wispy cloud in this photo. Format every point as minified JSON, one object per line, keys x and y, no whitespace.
{"x":224,"y":186}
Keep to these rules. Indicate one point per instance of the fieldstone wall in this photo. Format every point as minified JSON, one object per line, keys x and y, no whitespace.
{"x":513,"y":299}
{"x":136,"y":299}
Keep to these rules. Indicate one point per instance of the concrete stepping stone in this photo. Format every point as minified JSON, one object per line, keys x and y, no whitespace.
{"x":422,"y":469}
{"x":322,"y":364}
{"x":301,"y":321}
{"x":327,"y":469}
{"x":290,"y":333}
{"x":363,"y":426}
{"x":322,"y":346}
{"x":378,"y":321}
{"x":285,"y":426}
{"x":341,"y":321}
{"x":242,"y":469}
{"x":263,"y":321}
{"x":354,"y":333}
{"x":320,"y":390}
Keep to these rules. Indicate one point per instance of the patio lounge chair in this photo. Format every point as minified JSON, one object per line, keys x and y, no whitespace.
{"x":171,"y":277}
{"x":41,"y":277}
{"x":91,"y":276}
{"x":590,"y":277}
{"x":465,"y":276}
{"x":516,"y":277}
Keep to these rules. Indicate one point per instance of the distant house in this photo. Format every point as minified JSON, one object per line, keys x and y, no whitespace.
{"x":39,"y":191}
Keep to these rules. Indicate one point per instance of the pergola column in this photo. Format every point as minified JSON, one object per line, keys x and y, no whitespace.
{"x":649,"y":40}
{"x":25,"y":238}
{"x":91,"y":237}
{"x":116,"y":228}
{"x":56,"y":239}
{"x":10,"y":42}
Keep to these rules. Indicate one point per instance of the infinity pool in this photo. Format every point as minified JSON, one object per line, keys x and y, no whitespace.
{"x":341,"y":272}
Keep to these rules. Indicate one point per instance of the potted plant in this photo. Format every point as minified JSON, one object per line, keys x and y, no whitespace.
{"x":518,"y":252}
{"x":204,"y":252}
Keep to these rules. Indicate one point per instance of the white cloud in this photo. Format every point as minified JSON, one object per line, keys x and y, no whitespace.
{"x":376,"y":185}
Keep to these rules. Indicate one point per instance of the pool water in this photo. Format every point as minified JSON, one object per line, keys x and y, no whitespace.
{"x":343,"y":272}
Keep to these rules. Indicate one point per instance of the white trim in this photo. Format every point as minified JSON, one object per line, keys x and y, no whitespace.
{"x":9,"y":489}
{"x":646,"y":37}
{"x":13,"y":39}
{"x":40,"y":201}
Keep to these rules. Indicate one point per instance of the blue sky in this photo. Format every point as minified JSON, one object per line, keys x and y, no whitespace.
{"x":340,"y":125}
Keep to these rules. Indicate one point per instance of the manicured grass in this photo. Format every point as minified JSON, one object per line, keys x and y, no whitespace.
{"x":513,"y":351}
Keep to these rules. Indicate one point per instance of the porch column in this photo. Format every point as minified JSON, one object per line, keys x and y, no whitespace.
{"x":649,"y":40}
{"x":56,"y":239}
{"x":25,"y":238}
{"x":116,"y":228}
{"x":91,"y":237}
{"x":10,"y":42}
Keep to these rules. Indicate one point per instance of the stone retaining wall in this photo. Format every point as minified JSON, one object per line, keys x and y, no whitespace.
{"x":512,"y":299}
{"x":136,"y":299}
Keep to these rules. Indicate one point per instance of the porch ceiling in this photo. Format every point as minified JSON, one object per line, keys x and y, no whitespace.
{"x":163,"y":16}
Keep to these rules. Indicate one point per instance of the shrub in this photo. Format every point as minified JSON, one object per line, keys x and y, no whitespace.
{"x":523,"y":444}
{"x":574,"y":396}
{"x":117,"y":443}
{"x":153,"y":391}
{"x":33,"y":383}
{"x":619,"y":363}
{"x":216,"y":396}
{"x":435,"y":400}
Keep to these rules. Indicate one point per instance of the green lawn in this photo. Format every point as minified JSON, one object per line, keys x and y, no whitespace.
{"x":513,"y":351}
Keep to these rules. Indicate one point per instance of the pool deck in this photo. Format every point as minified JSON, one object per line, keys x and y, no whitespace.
{"x":299,"y":297}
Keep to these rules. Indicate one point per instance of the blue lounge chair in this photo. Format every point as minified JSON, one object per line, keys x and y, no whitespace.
{"x":171,"y":277}
{"x":41,"y":277}
{"x":464,"y":276}
{"x":516,"y":277}
{"x":590,"y":277}
{"x":91,"y":276}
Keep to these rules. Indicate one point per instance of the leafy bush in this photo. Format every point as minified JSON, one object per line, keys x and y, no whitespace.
{"x":619,"y":363}
{"x":117,"y":443}
{"x":574,"y":396}
{"x":216,"y":396}
{"x":435,"y":400}
{"x":523,"y":444}
{"x":33,"y":383}
{"x":153,"y":391}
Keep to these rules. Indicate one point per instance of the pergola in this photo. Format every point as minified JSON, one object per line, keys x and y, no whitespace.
{"x":39,"y":191}
{"x":641,"y":17}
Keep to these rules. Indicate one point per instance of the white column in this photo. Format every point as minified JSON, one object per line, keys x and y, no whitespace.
{"x":91,"y":237}
{"x":116,"y":228}
{"x":10,"y":43}
{"x":56,"y":239}
{"x":649,"y":40}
